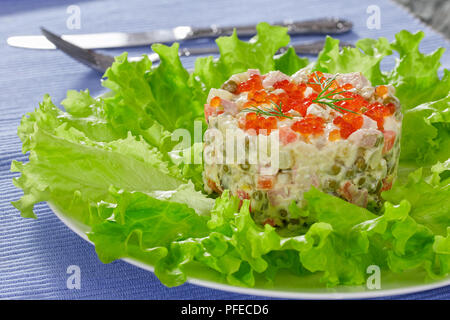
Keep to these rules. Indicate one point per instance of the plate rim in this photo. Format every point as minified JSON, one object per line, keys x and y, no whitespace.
{"x":74,"y":226}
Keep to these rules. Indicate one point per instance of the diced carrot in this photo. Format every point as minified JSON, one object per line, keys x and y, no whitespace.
{"x":389,"y":140}
{"x":269,"y":221}
{"x":381,"y":91}
{"x":387,"y":185}
{"x":215,"y":102}
{"x":265,"y":182}
{"x":213,"y":186}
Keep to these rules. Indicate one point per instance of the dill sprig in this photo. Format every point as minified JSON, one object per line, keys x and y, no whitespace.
{"x":326,"y":98}
{"x":274,"y":111}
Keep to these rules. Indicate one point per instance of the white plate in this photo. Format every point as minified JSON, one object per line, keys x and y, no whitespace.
{"x":289,"y":286}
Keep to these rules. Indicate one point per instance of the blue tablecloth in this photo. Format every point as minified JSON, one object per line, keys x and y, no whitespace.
{"x":34,"y":254}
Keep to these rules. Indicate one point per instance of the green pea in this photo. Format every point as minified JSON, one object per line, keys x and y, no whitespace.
{"x":230,"y":86}
{"x":244,"y":166}
{"x":360,"y":163}
{"x":350,"y":173}
{"x":335,"y":169}
{"x":283,"y":213}
{"x":361,"y":181}
{"x":258,"y":195}
{"x":331,"y":185}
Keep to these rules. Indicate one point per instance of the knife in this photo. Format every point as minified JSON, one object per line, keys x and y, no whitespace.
{"x":101,"y":62}
{"x":121,"y":39}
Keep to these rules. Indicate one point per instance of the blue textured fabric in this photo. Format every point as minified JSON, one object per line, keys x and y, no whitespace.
{"x":34,"y":254}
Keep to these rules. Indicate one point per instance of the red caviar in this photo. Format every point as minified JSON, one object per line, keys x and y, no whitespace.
{"x":252,"y":84}
{"x":356,"y":102}
{"x":311,"y":124}
{"x":257,"y":96}
{"x":314,"y":77}
{"x":348,"y":123}
{"x":347,"y":86}
{"x":391,"y":107}
{"x":292,"y":97}
{"x":259,"y":123}
{"x":377,"y":112}
{"x":292,"y":89}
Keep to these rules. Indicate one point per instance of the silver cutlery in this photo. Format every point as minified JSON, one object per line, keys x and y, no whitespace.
{"x":101,"y":62}
{"x":121,"y":39}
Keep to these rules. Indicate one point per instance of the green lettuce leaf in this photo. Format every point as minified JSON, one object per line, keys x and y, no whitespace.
{"x":64,"y":162}
{"x":365,"y":58}
{"x":415,"y":76}
{"x":238,"y":56}
{"x":289,"y":62}
{"x":426,"y":132}
{"x":240,"y":250}
{"x":141,"y":220}
{"x":428,"y":197}
{"x":186,"y":194}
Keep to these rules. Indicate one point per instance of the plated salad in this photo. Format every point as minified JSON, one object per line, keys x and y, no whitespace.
{"x":362,"y":176}
{"x":334,"y":132}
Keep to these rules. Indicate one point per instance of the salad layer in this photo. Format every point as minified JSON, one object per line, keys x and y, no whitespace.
{"x":116,"y":164}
